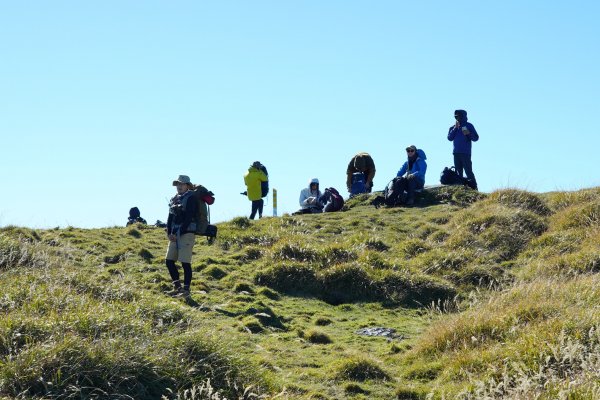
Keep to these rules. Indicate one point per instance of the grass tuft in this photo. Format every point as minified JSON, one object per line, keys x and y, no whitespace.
{"x":317,"y":337}
{"x":359,"y":369}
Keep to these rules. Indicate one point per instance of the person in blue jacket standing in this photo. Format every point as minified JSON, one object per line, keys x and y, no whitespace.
{"x":462,"y":134}
{"x":415,"y":168}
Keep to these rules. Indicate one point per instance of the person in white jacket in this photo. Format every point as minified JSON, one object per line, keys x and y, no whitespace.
{"x":309,"y":197}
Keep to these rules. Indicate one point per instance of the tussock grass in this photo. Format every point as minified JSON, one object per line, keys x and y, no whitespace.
{"x":24,"y":252}
{"x":530,"y":317}
{"x":317,"y":337}
{"x":567,"y":368}
{"x":359,"y":369}
{"x":409,"y":393}
{"x":560,"y":200}
{"x":586,"y":215}
{"x":346,"y":283}
{"x":520,"y":199}
{"x":492,"y":296}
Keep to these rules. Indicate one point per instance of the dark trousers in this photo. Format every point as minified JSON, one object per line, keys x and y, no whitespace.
{"x":410,"y":185}
{"x":187,"y":274}
{"x":463,"y":162}
{"x":257,"y":205}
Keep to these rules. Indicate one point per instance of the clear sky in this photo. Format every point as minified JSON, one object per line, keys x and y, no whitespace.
{"x":104,"y":103}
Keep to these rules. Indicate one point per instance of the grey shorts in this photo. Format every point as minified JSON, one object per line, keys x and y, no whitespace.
{"x":182,"y":249}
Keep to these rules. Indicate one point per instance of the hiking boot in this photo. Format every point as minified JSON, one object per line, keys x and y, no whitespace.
{"x":185,"y":293}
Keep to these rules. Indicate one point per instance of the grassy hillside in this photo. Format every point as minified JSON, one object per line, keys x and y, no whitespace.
{"x":489,"y":296}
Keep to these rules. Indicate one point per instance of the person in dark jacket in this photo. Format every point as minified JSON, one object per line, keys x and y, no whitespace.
{"x":135,"y":217}
{"x":462,"y":134}
{"x":183,"y":209}
{"x":361,"y":162}
{"x":415,"y":168}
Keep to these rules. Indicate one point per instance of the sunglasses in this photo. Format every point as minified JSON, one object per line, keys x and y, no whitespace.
{"x":410,"y":151}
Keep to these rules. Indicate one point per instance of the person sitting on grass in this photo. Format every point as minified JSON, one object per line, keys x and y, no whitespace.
{"x":309,"y":198}
{"x":414,"y":168}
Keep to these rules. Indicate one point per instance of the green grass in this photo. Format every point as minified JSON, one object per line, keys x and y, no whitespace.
{"x":491,"y":296}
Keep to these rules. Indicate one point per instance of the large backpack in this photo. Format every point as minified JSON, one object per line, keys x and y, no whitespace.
{"x":393,"y":192}
{"x":331,"y":200}
{"x":264,"y":186}
{"x":449,"y":176}
{"x":205,"y":198}
{"x":359,"y":184}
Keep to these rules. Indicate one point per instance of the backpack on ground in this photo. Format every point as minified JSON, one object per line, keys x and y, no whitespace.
{"x":449,"y":176}
{"x":205,"y":198}
{"x":359,"y":184}
{"x":393,"y":193}
{"x":331,"y":200}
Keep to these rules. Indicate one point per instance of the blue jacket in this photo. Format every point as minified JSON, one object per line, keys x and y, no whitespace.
{"x":419,"y":167}
{"x":462,"y":142}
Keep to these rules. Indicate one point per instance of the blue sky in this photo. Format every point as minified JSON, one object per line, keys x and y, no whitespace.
{"x":103,"y":104}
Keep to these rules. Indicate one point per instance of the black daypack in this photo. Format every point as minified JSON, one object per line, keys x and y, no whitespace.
{"x":264,"y":186}
{"x":449,"y":176}
{"x":393,"y":192}
{"x":332,"y":200}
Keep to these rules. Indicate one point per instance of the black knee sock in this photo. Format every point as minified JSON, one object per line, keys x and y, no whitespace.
{"x":173,"y":272}
{"x":187,"y":275}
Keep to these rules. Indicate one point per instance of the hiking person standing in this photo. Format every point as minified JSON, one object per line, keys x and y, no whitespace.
{"x":183,"y":208}
{"x":462,"y":134}
{"x":415,"y":168}
{"x":361,"y":163}
{"x":309,"y":198}
{"x":253,"y":179}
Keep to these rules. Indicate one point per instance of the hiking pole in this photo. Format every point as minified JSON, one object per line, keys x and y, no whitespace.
{"x":274,"y":202}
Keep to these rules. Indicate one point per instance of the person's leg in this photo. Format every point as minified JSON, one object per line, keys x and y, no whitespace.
{"x":170,"y":257}
{"x":187,"y":242}
{"x":187,"y":275}
{"x":261,"y":203}
{"x":402,"y":189}
{"x":412,"y":186}
{"x":410,"y":192}
{"x":174,"y":273}
{"x":254,"y":209}
{"x":458,"y":163}
{"x":468,"y":165}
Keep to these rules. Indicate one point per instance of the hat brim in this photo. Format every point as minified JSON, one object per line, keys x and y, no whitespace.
{"x":186,"y":183}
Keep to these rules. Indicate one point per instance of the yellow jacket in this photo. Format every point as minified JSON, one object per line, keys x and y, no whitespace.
{"x":253,"y":179}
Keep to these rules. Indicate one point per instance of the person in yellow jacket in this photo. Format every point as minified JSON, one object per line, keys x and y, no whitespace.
{"x":253,"y":180}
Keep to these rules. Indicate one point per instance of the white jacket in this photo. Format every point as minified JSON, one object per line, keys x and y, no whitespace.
{"x":306,"y":194}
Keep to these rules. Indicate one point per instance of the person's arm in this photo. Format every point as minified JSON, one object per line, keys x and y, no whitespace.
{"x":472,"y":132}
{"x":191,"y":209}
{"x":370,"y":173}
{"x":169,"y":224}
{"x":453,"y":131}
{"x":262,"y":176}
{"x":421,"y":169}
{"x":349,"y":171}
{"x":303,"y":197}
{"x":402,"y":169}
